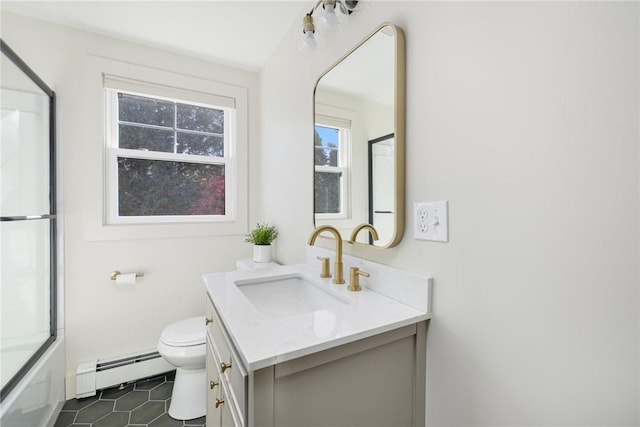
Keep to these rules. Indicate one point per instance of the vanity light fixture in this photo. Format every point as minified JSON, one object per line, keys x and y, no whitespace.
{"x":329,"y":22}
{"x":307,"y":43}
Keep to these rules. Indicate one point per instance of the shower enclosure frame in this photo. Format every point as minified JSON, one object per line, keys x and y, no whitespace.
{"x":51,"y":216}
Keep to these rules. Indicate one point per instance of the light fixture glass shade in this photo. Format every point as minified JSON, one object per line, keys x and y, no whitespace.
{"x":306,"y":40}
{"x":307,"y":43}
{"x":328,"y":21}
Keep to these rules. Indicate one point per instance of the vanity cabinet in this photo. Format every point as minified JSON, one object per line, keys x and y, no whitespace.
{"x":218,"y":409}
{"x":374,"y":381}
{"x":226,"y":377}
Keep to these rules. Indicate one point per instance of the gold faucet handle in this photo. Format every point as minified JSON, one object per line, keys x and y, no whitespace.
{"x":354,"y":278}
{"x":325,"y":267}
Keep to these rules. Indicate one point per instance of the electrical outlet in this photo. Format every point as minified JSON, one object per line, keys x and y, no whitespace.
{"x":421,"y":212}
{"x":430,"y":221}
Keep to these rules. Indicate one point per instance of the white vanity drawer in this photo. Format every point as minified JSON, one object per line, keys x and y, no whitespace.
{"x":232,"y":372}
{"x":236,"y":377}
{"x":213,"y":386}
{"x":215,"y":331}
{"x":231,"y":417}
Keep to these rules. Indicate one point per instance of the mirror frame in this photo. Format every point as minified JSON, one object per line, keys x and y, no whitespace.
{"x":399,"y":129}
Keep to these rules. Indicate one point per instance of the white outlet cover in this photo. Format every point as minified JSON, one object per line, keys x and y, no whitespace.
{"x":430,"y":221}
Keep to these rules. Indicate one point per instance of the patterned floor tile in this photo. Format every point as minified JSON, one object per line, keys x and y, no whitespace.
{"x":95,"y":411}
{"x":131,"y":401}
{"x":143,"y":404}
{"x":161,"y":392}
{"x":150,"y":383}
{"x":166,"y":421}
{"x":114,"y":419}
{"x":77,"y":404}
{"x":116,"y":392}
{"x":147,"y":412}
{"x":198,"y":422}
{"x":65,"y":418}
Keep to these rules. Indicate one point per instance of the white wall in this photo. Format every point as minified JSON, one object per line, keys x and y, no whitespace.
{"x":525,"y":117}
{"x":102,"y":320}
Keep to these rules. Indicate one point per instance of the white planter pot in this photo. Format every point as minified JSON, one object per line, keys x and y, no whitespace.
{"x":261,"y":253}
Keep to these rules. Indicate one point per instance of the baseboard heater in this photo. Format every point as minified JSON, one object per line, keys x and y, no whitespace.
{"x":98,"y":374}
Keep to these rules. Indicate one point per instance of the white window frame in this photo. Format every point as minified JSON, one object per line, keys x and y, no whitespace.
{"x":114,"y":85}
{"x":344,"y":166}
{"x":92,"y":155}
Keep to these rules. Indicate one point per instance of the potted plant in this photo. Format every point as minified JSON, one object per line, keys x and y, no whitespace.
{"x":261,"y":237}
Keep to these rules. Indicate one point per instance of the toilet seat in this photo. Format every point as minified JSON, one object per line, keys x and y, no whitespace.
{"x":184,"y":333}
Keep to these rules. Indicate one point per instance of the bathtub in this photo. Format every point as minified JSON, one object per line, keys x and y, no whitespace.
{"x":37,"y":399}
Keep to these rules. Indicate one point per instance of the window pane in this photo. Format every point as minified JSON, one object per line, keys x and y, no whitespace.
{"x":327,"y":192}
{"x":192,"y":117}
{"x":202,"y":145}
{"x":140,"y":138}
{"x":139,"y":109}
{"x":326,"y":157}
{"x":158,"y":188}
{"x":327,"y":145}
{"x":327,"y":137}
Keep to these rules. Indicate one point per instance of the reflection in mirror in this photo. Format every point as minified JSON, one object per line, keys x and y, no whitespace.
{"x":381,"y":192}
{"x":359,"y":106}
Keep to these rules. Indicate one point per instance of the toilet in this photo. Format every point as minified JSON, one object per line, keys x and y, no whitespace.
{"x":183,"y":345}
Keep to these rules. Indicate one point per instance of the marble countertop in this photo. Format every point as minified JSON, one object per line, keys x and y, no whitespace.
{"x":264,"y":339}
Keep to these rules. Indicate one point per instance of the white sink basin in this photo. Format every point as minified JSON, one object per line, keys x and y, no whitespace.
{"x":288,"y":294}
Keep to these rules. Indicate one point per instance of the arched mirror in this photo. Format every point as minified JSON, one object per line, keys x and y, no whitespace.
{"x":359,"y":109}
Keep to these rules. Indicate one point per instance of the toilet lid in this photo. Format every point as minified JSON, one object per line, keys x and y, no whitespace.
{"x":185,"y":332}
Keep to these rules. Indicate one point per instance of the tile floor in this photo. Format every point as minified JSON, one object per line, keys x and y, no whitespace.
{"x":140,"y":404}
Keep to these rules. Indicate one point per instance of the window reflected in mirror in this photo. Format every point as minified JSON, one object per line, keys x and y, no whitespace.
{"x":331,"y":169}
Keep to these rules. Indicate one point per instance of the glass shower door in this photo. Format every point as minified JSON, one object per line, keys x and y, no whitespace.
{"x":27,"y":219}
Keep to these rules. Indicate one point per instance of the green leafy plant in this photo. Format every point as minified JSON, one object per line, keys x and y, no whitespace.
{"x":263,"y":234}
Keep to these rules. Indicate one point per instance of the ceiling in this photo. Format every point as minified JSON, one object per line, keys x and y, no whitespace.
{"x":239,"y":33}
{"x":216,"y":30}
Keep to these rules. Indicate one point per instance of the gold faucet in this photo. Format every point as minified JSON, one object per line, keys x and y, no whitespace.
{"x":338,"y":277}
{"x":356,"y":230}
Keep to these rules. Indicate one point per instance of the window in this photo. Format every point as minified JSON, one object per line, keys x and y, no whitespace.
{"x":169,"y":154}
{"x":332,"y":138}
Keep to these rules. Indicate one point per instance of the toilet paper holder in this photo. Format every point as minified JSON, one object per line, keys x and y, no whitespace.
{"x":116,"y":273}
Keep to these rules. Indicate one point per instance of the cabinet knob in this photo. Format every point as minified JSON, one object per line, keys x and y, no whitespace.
{"x":212,"y":384}
{"x":219,"y":402}
{"x":224,"y":366}
{"x":207,"y":321}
